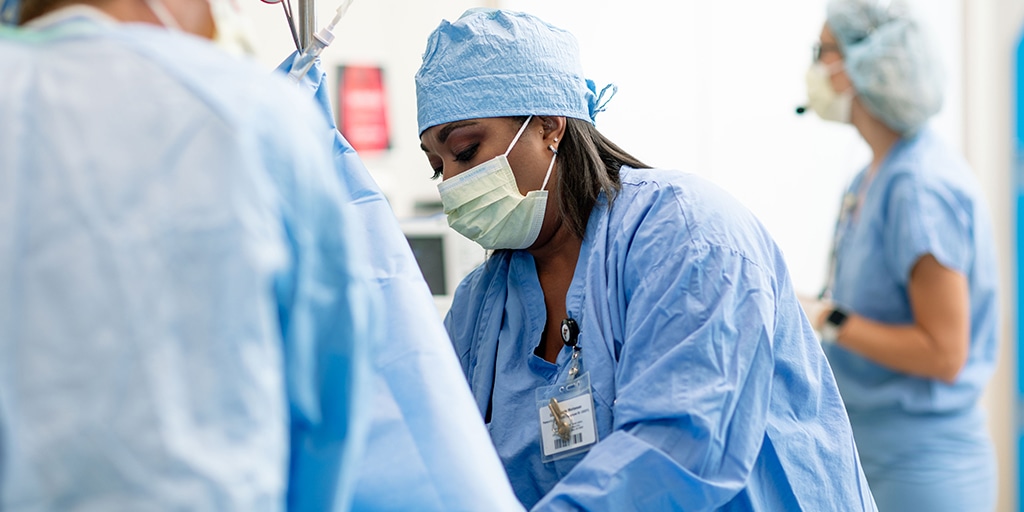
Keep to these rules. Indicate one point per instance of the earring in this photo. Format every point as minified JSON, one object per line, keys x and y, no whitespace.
{"x":556,"y":139}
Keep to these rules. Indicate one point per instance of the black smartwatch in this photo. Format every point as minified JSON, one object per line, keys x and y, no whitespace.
{"x":834,"y":321}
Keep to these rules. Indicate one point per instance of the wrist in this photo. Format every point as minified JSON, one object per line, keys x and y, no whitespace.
{"x":834,"y":321}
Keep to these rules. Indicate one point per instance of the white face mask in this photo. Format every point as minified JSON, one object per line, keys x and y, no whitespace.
{"x":233,"y":31}
{"x":823,"y":99}
{"x":484,"y":204}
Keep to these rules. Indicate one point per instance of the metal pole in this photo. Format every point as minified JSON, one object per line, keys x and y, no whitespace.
{"x":307,"y":22}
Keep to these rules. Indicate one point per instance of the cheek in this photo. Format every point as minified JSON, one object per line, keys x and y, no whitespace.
{"x":525,"y":171}
{"x":841,"y":82}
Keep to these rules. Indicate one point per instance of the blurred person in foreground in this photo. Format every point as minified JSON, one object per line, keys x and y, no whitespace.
{"x":185,"y":317}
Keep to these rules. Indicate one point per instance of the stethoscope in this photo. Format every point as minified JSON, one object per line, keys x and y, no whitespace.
{"x":848,"y":210}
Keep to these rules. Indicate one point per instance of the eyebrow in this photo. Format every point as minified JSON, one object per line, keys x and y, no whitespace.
{"x":445,"y":132}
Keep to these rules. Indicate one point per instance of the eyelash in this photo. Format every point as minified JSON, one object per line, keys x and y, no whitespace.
{"x":467,"y":154}
{"x":464,"y":156}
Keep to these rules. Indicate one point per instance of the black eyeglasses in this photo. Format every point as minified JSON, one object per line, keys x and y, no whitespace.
{"x":820,"y":48}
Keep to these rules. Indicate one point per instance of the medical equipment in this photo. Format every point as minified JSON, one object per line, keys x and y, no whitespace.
{"x":311,"y":50}
{"x":444,"y":256}
{"x":286,"y":5}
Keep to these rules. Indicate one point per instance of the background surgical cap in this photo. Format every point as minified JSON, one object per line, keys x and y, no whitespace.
{"x":890,"y":60}
{"x":494,"y":63}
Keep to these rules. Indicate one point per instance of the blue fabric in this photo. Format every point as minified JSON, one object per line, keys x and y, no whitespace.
{"x":891,"y":60}
{"x":428,"y":449}
{"x":947,"y":465}
{"x":494,"y":63}
{"x":711,"y":391}
{"x":923,"y":200}
{"x":9,"y":12}
{"x":184,"y":320}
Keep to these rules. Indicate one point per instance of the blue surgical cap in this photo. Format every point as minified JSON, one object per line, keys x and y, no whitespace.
{"x":9,"y":12}
{"x":495,"y":63}
{"x":890,"y":60}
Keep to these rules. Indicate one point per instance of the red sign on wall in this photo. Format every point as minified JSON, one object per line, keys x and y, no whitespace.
{"x":362,"y":108}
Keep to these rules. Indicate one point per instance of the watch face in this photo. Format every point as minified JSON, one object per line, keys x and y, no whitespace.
{"x":836,"y":318}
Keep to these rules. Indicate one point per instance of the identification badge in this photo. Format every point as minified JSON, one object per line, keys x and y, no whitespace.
{"x":567,"y":424}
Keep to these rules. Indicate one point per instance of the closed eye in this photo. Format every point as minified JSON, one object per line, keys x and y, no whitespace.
{"x":467,"y":154}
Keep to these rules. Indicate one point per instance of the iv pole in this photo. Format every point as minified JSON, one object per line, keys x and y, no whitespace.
{"x":307,"y":22}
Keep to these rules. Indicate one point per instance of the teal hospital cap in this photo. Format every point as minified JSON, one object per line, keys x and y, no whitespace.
{"x":496,"y":63}
{"x":890,"y":59}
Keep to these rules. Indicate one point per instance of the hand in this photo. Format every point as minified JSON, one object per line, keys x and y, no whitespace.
{"x":816,"y":310}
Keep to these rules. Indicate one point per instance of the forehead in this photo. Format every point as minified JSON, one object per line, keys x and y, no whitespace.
{"x":441,"y":132}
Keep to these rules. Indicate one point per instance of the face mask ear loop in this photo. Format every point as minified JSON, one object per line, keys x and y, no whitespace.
{"x":519,"y":134}
{"x":550,"y":166}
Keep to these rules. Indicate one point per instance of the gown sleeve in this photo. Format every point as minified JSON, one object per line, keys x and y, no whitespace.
{"x":924,"y":218}
{"x":694,"y":376}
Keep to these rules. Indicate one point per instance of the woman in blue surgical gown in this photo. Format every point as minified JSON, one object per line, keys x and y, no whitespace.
{"x":634,"y":342}
{"x":185,"y":312}
{"x":909,"y":316}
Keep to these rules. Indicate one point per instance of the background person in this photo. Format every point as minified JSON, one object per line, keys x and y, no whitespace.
{"x":649,"y":303}
{"x":912,"y":290}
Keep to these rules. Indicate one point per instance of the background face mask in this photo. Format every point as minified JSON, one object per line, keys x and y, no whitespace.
{"x":484,"y":204}
{"x":823,"y":99}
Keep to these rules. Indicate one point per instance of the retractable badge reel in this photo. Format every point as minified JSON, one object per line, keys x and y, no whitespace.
{"x":567,"y":424}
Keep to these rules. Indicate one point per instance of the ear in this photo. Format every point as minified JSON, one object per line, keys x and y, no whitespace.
{"x":552,"y":129}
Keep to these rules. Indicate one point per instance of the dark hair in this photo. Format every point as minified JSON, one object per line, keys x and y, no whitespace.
{"x":590,"y":165}
{"x":32,"y":9}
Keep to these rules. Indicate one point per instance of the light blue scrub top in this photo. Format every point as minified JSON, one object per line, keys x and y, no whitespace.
{"x":710,"y":388}
{"x":184,"y":317}
{"x":923,"y":200}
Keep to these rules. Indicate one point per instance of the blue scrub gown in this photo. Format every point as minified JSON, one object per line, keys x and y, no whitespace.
{"x":184,"y":313}
{"x":428,"y":450}
{"x":923,"y":443}
{"x":711,"y":390}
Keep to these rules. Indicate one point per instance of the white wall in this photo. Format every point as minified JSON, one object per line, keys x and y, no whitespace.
{"x":388,"y":33}
{"x":710,"y":87}
{"x":992,"y":30}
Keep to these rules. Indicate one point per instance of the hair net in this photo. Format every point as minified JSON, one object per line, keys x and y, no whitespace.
{"x":494,"y":63}
{"x":890,"y":60}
